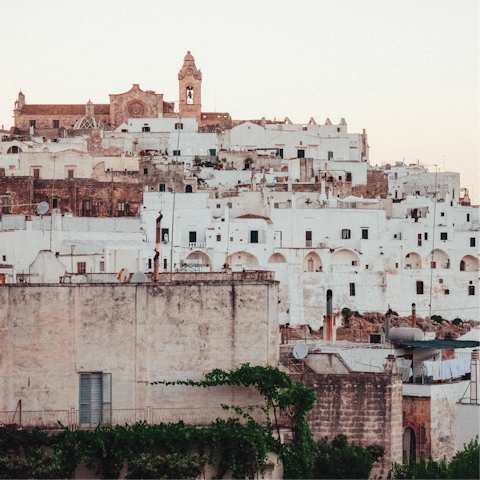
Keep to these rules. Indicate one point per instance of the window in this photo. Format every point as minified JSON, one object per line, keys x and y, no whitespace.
{"x":349,"y":176}
{"x":340,"y":177}
{"x":338,"y":129}
{"x":149,"y":263}
{"x":6,"y":205}
{"x":365,"y":233}
{"x":345,"y":234}
{"x":219,"y":238}
{"x":192,"y":237}
{"x":218,"y":205}
{"x":33,"y":123}
{"x":124,"y":130}
{"x":81,"y":267}
{"x":354,"y":263}
{"x":468,"y":217}
{"x":396,"y":176}
{"x":352,"y":289}
{"x":4,"y":257}
{"x":189,"y":95}
{"x":254,"y":236}
{"x":161,"y":187}
{"x":433,"y":264}
{"x":212,"y":152}
{"x":308,"y":239}
{"x":165,"y":265}
{"x":188,"y":189}
{"x":95,"y":398}
{"x":396,"y":265}
{"x":179,"y":126}
{"x":442,"y":214}
{"x":229,"y":205}
{"x":70,"y":173}
{"x":471,"y":290}
{"x":54,"y":203}
{"x":165,"y":236}
{"x":145,"y":129}
{"x":301,"y":153}
{"x":443,"y":236}
{"x":366,"y":267}
{"x":472,"y":241}
{"x":36,"y":173}
{"x":462,"y":265}
{"x":102,"y":266}
{"x":419,"y":239}
{"x":86,"y":208}
{"x":447,"y":292}
{"x":419,"y":288}
{"x":330,"y":155}
{"x":14,"y":149}
{"x":121,"y":206}
{"x":425,"y":236}
{"x":145,"y":171}
{"x":176,"y":153}
{"x":280,"y":152}
{"x":440,"y":280}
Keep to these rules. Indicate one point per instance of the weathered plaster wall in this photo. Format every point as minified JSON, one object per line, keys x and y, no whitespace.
{"x":139,"y":334}
{"x":417,"y":415}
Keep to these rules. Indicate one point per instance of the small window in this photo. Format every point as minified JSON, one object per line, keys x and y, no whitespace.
{"x":102,"y":265}
{"x":366,"y":267}
{"x":229,"y":205}
{"x":396,"y":265}
{"x":121,"y":206}
{"x":433,"y":264}
{"x":188,"y":189}
{"x":124,"y":130}
{"x":280,"y":152}
{"x":442,"y":214}
{"x":345,"y":234}
{"x":275,"y":205}
{"x":81,"y":267}
{"x":70,"y":173}
{"x":56,"y":124}
{"x":338,"y":129}
{"x":443,"y":236}
{"x":468,"y":217}
{"x":165,"y":265}
{"x":425,"y":236}
{"x":4,"y":258}
{"x":349,"y":176}
{"x":145,"y":171}
{"x":179,"y":126}
{"x":218,"y":205}
{"x":176,"y":153}
{"x":352,"y":289}
{"x":164,"y":234}
{"x":54,"y":203}
{"x":192,"y":237}
{"x":161,"y":187}
{"x":86,"y":208}
{"x":396,"y":176}
{"x":472,"y":241}
{"x":33,"y":123}
{"x":6,"y":205}
{"x":330,"y":155}
{"x":471,"y":290}
{"x":419,"y":288}
{"x":149,"y":263}
{"x":36,"y":173}
{"x":254,"y":236}
{"x":219,"y":238}
{"x":308,"y":239}
{"x":301,"y":153}
{"x":365,"y":233}
{"x":145,"y":129}
{"x":354,"y":263}
{"x":440,"y":280}
{"x":447,"y":292}
{"x":419,"y":239}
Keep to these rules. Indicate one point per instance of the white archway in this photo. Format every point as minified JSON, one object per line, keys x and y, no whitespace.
{"x":198,"y":261}
{"x":413,"y":260}
{"x":242,"y":259}
{"x":312,"y":263}
{"x":438,"y":259}
{"x":469,"y":264}
{"x":345,"y":256}
{"x":277,"y":258}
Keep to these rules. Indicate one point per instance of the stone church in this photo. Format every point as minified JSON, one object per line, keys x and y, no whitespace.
{"x":51,"y":121}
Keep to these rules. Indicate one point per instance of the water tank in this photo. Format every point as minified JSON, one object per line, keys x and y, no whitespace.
{"x":405,"y":333}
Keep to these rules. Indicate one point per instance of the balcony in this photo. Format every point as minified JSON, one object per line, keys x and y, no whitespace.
{"x":194,"y":245}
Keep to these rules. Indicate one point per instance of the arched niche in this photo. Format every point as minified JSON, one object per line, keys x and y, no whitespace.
{"x":240,"y":259}
{"x":413,"y":260}
{"x":344,"y":257}
{"x":469,"y":264}
{"x":201,"y":259}
{"x":312,"y":263}
{"x":277,"y":258}
{"x":438,"y":259}
{"x":285,"y":168}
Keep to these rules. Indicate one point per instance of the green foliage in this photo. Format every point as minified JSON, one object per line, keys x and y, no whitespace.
{"x":395,"y":314}
{"x":457,"y":321}
{"x":437,"y":318}
{"x":339,"y":459}
{"x":464,"y":465}
{"x":347,"y":313}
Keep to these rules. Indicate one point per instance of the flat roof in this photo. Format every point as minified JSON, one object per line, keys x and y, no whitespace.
{"x":439,"y":344}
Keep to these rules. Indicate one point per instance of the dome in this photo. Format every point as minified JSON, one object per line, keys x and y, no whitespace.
{"x":88,"y":122}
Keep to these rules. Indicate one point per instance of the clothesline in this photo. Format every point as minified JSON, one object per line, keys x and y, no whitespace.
{"x":447,"y":368}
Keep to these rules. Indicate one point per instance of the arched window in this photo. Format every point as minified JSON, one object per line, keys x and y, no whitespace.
{"x":409,"y":446}
{"x":14,"y":149}
{"x":188,"y":189}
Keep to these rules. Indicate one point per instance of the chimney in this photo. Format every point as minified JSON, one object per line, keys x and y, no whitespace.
{"x":391,"y":365}
{"x":474,"y":378}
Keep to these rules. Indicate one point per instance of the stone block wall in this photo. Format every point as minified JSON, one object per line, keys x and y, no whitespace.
{"x":366,"y":407}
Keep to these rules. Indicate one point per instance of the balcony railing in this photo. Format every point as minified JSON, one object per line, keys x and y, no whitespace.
{"x":194,"y":245}
{"x":91,"y":418}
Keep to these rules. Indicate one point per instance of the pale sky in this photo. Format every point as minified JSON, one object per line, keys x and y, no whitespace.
{"x":406,"y":71}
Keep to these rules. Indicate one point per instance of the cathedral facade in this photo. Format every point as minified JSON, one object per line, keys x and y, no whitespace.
{"x":51,"y":121}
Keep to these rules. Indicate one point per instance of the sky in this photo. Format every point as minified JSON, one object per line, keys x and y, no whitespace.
{"x":405,"y":71}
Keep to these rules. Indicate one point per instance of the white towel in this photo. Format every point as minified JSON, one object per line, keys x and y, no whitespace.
{"x":445,"y":370}
{"x":428,"y":369}
{"x":436,"y":370}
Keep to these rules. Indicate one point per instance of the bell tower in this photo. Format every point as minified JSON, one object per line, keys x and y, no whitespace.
{"x":190,"y":89}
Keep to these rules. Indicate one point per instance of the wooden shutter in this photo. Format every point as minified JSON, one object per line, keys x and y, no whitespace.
{"x":96,"y":398}
{"x":85,"y":389}
{"x":107,"y":398}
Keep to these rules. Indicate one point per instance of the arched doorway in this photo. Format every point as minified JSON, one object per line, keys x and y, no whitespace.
{"x":409,"y":445}
{"x":469,"y":264}
{"x":188,"y":189}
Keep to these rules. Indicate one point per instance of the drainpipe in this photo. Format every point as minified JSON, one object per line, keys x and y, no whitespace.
{"x":475,"y":380}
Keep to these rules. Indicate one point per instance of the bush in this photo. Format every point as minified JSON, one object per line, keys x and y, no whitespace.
{"x":347,"y":313}
{"x":457,"y":321}
{"x":437,"y":318}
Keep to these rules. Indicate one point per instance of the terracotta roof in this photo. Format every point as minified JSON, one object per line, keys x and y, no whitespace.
{"x":250,"y":215}
{"x":99,"y":109}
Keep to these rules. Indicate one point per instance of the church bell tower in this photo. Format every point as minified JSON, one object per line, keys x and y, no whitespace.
{"x":190,"y":89}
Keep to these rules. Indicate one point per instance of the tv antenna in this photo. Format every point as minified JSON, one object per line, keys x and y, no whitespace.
{"x":42,"y":208}
{"x":300,"y":350}
{"x":123,"y":275}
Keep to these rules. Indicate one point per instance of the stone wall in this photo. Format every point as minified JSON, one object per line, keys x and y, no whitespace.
{"x":96,"y":149}
{"x":239,"y":160}
{"x":171,"y":175}
{"x":70,"y":194}
{"x":366,"y":407}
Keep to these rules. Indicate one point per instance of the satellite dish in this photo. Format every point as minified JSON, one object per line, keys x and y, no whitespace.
{"x":123,"y":275}
{"x":42,"y":208}
{"x":300,"y":350}
{"x":139,"y":277}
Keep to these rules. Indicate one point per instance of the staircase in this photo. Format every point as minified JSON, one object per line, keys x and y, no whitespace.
{"x":295,"y":365}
